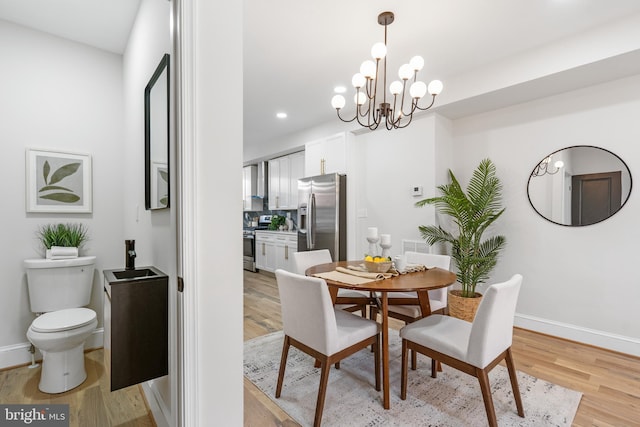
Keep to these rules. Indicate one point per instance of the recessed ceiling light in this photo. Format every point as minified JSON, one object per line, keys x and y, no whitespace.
{"x":339,"y":89}
{"x":281,"y":115}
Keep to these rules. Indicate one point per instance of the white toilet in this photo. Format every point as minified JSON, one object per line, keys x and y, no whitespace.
{"x":59,"y":289}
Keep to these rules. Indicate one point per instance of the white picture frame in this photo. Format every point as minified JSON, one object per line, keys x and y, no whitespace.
{"x":58,"y":182}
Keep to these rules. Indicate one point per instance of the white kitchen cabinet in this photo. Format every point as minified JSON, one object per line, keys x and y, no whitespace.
{"x":274,"y":249}
{"x":296,"y":171}
{"x":284,"y":173}
{"x":285,"y":246}
{"x":265,"y":251}
{"x":329,"y":153}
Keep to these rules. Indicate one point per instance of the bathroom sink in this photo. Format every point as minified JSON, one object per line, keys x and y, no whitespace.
{"x":134,"y":274}
{"x":123,"y":275}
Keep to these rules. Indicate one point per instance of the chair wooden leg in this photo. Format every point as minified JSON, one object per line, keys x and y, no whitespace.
{"x":337,"y":365}
{"x":283,"y":364}
{"x":514,"y":382}
{"x":483,"y":378}
{"x":322,"y":390}
{"x":377,"y":362}
{"x":403,"y":375}
{"x":414,"y":360}
{"x":373,"y":315}
{"x":434,"y":368}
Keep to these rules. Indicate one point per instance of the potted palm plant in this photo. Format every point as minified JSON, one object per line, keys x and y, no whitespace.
{"x":472,"y":212}
{"x":62,"y":235}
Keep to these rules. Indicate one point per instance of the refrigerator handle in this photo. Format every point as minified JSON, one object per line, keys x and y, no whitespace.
{"x":311,"y":222}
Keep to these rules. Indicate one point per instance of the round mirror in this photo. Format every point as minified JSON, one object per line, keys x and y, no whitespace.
{"x":579,"y":185}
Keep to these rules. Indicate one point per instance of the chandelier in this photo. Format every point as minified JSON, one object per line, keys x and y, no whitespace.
{"x":543,"y":167}
{"x":372,"y":107}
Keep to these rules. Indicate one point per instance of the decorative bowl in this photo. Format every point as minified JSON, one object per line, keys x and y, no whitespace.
{"x":378,"y":267}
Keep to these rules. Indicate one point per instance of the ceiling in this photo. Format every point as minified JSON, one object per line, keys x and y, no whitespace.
{"x":296,"y":52}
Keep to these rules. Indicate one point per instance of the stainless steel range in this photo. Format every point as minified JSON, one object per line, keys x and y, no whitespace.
{"x":249,"y":242}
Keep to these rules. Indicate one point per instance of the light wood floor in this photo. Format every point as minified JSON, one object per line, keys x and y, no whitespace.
{"x":90,"y":405}
{"x":610,"y":382}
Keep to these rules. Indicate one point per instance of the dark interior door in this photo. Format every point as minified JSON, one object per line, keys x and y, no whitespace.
{"x":595,"y":197}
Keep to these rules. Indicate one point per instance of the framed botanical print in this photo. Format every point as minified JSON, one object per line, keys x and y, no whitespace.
{"x":58,"y":181}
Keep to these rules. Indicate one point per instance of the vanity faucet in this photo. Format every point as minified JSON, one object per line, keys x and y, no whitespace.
{"x":130,"y":254}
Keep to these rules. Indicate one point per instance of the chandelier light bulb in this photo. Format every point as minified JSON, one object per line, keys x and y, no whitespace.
{"x":418,"y":90}
{"x":358,"y":80}
{"x":379,"y":50}
{"x":416,"y":63}
{"x":435,"y":87}
{"x":405,"y":72}
{"x":395,"y":87}
{"x":559,"y":164}
{"x":368,"y":69}
{"x":338,"y":101}
{"x":359,"y":98}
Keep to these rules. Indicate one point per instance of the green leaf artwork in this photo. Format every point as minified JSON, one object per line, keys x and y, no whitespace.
{"x":61,"y":173}
{"x":61,"y":197}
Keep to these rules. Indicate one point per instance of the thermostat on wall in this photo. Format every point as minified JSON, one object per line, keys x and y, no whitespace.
{"x":416,"y":190}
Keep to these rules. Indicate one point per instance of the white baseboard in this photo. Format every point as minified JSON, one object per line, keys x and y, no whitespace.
{"x":18,"y":354}
{"x":161,"y":413}
{"x":609,"y":341}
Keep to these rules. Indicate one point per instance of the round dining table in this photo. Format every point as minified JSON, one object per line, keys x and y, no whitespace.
{"x":420,"y":282}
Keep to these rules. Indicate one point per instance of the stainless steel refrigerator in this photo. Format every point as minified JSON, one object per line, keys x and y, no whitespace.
{"x":322,"y":222}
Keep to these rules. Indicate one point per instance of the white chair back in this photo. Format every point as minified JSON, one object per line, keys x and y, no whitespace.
{"x":430,"y":261}
{"x":306,"y":301}
{"x":492,"y":329}
{"x":303,"y":260}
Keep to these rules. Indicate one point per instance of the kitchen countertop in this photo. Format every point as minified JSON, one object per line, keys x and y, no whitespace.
{"x":292,"y":233}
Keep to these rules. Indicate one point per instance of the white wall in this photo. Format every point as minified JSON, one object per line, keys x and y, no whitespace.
{"x":154,"y":231}
{"x":579,"y":282}
{"x":57,"y":95}
{"x":390,"y":163}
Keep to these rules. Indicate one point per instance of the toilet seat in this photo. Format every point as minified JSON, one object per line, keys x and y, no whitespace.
{"x":63,"y":320}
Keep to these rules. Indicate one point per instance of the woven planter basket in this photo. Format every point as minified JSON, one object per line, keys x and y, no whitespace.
{"x":463,"y":308}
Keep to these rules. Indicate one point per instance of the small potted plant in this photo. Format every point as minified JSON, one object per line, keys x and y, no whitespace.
{"x":277,"y":221}
{"x":62,"y":236}
{"x":472,"y":212}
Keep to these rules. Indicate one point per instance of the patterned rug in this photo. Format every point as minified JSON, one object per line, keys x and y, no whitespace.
{"x":451,"y":400}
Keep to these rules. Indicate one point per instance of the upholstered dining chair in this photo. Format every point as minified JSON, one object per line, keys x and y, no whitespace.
{"x":437,"y":297}
{"x":305,"y":259}
{"x":313,"y":325}
{"x":474,"y":348}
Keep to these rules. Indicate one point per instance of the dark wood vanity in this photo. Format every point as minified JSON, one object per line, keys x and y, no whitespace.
{"x":136,"y":325}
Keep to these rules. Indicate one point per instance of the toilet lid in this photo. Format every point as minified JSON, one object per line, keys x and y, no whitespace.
{"x":63,"y":320}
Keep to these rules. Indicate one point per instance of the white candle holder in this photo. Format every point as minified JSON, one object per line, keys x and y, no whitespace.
{"x":373,"y":249}
{"x":386,"y":249}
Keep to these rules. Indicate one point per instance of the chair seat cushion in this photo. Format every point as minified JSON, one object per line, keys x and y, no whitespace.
{"x":445,"y":334}
{"x":412,"y":310}
{"x":353,"y":329}
{"x":347,"y":293}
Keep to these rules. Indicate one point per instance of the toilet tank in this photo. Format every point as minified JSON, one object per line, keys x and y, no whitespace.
{"x":59,"y":284}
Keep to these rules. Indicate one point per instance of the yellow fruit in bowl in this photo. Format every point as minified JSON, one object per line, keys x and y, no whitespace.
{"x":368,"y":258}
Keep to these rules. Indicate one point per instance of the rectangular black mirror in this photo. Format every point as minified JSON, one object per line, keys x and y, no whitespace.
{"x":156,"y":137}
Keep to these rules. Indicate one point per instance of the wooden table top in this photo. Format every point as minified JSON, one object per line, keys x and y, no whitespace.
{"x":432,"y":278}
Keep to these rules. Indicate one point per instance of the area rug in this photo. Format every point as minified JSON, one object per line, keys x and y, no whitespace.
{"x":451,"y":400}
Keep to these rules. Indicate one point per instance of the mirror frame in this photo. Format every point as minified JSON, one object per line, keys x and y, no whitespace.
{"x":581,"y":146}
{"x":162,"y":66}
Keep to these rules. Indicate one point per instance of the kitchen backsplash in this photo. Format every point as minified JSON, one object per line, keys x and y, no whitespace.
{"x":253,"y":216}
